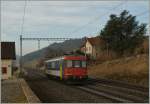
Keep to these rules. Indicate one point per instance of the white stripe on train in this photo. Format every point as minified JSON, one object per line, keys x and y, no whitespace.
{"x":55,"y":59}
{"x":53,"y":72}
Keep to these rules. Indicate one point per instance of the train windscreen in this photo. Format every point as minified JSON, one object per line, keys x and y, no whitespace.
{"x":75,"y":63}
{"x":83,"y":64}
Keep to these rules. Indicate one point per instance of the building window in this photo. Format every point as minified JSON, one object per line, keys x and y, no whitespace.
{"x":4,"y":70}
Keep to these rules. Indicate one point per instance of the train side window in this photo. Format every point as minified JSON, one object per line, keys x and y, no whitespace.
{"x":57,"y":65}
{"x":53,"y":65}
{"x":84,"y":64}
{"x":69,"y":63}
{"x":49,"y":65}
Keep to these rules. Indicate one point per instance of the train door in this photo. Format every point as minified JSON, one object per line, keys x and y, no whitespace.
{"x":61,"y":69}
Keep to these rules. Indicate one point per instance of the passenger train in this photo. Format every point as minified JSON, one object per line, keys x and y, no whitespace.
{"x":67,"y":67}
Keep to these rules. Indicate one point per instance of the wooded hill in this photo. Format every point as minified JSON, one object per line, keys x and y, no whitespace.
{"x":53,"y":50}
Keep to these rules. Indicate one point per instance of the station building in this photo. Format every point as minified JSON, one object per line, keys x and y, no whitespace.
{"x":8,"y":58}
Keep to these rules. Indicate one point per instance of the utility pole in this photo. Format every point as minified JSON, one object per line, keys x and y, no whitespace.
{"x":39,"y":44}
{"x":85,"y":46}
{"x":39,"y":40}
{"x":20,"y":54}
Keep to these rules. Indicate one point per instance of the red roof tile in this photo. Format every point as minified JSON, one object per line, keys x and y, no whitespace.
{"x":95,"y":41}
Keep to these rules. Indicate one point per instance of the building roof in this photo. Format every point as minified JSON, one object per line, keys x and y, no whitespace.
{"x":8,"y":50}
{"x":95,"y":41}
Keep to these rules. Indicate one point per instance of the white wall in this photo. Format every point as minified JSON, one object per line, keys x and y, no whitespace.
{"x":88,"y":48}
{"x":8,"y":65}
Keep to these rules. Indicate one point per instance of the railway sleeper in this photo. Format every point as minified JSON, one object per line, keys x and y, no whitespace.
{"x":135,"y":99}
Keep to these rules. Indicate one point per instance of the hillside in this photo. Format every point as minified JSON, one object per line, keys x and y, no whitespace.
{"x":133,"y":69}
{"x":65,"y":46}
{"x":34,"y":55}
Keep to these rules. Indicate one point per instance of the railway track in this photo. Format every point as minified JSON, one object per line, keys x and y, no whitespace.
{"x":114,"y":91}
{"x":119,"y":83}
{"x":117,"y":91}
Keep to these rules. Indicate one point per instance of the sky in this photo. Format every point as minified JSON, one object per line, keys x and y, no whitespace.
{"x":66,"y":19}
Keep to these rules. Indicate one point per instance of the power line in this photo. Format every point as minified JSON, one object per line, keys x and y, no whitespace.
{"x":23,"y":18}
{"x":64,"y":5}
{"x":97,"y":18}
{"x":143,"y":13}
{"x":140,"y":14}
{"x":49,"y":39}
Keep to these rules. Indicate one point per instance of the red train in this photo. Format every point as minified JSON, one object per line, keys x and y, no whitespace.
{"x":67,"y":67}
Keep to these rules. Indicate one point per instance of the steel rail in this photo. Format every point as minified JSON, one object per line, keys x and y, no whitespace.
{"x":120,"y":83}
{"x":113,"y":95}
{"x":116,"y":90}
{"x":106,"y":95}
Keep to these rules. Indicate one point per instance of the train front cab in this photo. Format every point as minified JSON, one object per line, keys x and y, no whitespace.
{"x":75,"y":69}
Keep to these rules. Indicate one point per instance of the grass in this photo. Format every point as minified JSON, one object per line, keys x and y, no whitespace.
{"x":133,"y":69}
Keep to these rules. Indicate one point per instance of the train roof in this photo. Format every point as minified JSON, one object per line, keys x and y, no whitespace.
{"x":55,"y":59}
{"x":71,"y":57}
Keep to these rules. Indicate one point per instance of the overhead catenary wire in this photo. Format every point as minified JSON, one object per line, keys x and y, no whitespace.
{"x":98,"y":17}
{"x":83,"y":6}
{"x":23,"y":18}
{"x":142,"y":13}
